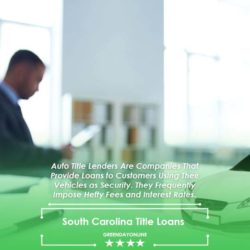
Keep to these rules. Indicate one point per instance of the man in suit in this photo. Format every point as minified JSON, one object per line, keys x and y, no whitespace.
{"x":17,"y":150}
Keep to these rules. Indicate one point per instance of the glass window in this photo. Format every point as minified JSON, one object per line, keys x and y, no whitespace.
{"x":18,"y":36}
{"x":207,"y":73}
{"x":38,"y":12}
{"x":36,"y":25}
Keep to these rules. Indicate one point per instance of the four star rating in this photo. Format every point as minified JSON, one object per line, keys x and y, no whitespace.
{"x":121,"y":243}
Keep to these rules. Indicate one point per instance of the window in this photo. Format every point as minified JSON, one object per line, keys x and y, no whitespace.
{"x":28,"y":28}
{"x":207,"y":76}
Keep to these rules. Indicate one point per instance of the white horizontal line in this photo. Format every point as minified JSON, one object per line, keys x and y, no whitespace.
{"x":124,"y":208}
{"x":184,"y":245}
{"x":64,"y":245}
{"x":180,"y":245}
{"x":69,"y":245}
{"x":123,"y":204}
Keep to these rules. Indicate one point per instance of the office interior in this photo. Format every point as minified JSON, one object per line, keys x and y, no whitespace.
{"x":163,"y":80}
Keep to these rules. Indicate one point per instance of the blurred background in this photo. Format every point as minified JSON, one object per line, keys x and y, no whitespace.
{"x":164,"y":80}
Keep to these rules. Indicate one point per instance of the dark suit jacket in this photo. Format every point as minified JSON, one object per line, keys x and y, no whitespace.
{"x":17,"y":149}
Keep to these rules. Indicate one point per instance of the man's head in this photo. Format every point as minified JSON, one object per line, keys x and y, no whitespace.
{"x":24,"y":73}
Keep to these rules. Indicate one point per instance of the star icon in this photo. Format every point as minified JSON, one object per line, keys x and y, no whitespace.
{"x":130,"y":243}
{"x":109,"y":243}
{"x":119,"y":243}
{"x":140,"y":243}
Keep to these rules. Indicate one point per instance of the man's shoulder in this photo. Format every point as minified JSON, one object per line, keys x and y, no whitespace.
{"x":5,"y":104}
